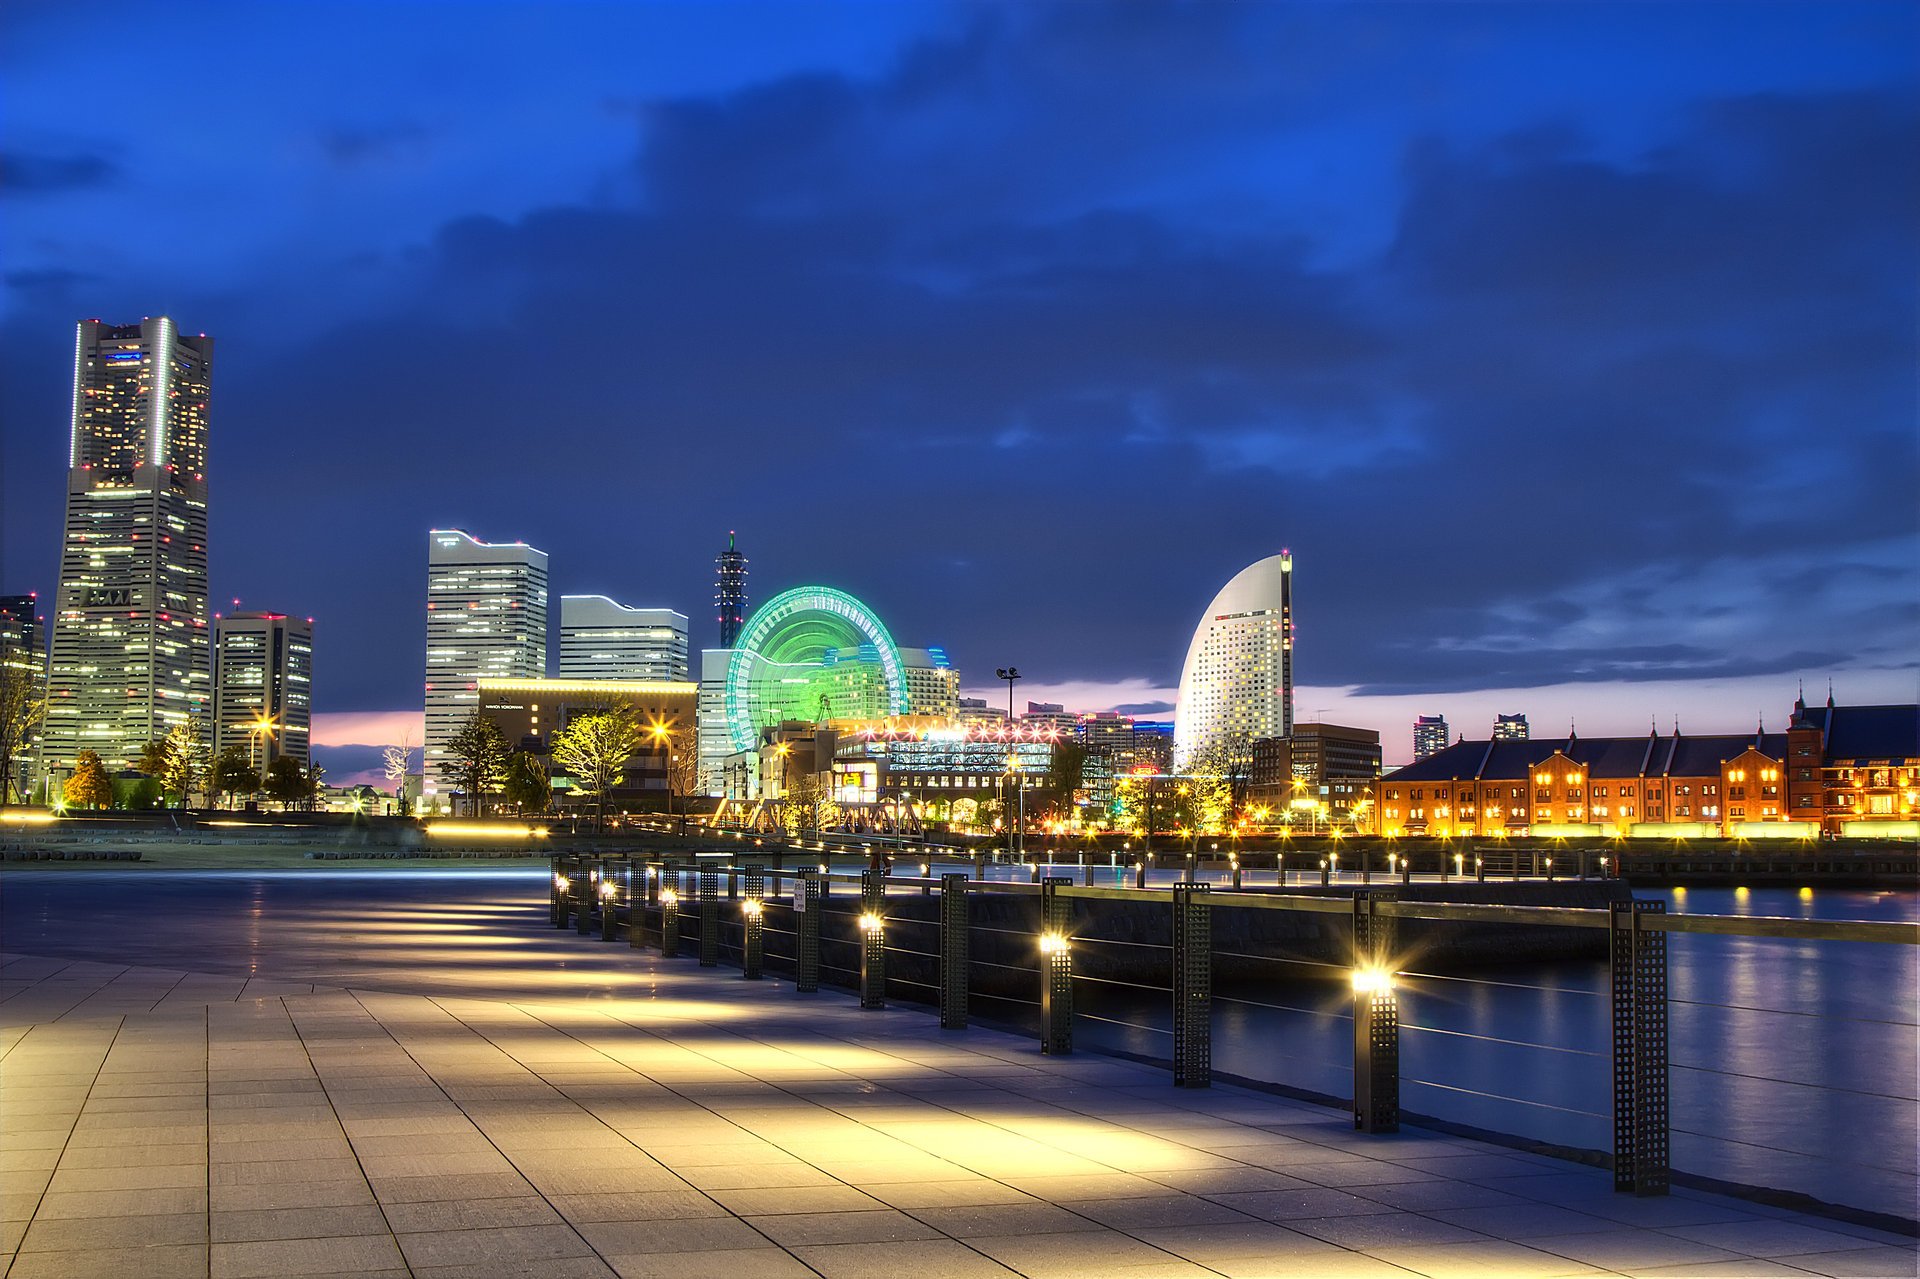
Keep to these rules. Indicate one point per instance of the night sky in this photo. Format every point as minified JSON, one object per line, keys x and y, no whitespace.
{"x":1570,"y":348}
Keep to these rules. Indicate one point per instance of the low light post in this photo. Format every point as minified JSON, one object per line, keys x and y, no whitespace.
{"x":1016,"y":837}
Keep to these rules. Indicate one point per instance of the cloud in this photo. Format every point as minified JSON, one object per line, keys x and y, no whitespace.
{"x":373,"y":729}
{"x":356,"y":146}
{"x":28,"y":174}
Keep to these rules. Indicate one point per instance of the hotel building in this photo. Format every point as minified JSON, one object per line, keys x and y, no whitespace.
{"x":1430,"y":735}
{"x":1237,"y":681}
{"x":529,"y":712}
{"x":1323,"y":772}
{"x":132,"y":656}
{"x":603,"y":639}
{"x":486,"y":619}
{"x":263,"y":686}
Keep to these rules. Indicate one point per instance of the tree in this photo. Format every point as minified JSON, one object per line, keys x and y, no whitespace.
{"x":1219,"y":774}
{"x":683,"y":761}
{"x":398,"y":760}
{"x":287,"y":783}
{"x":232,"y":773}
{"x":595,"y":750}
{"x":89,"y":787}
{"x":526,"y":785}
{"x":22,"y":706}
{"x":808,"y":805}
{"x":476,"y":755}
{"x":1066,"y":774}
{"x":187,"y":761}
{"x":153,"y":757}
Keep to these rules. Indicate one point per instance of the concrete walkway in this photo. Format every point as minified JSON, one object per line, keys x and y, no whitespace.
{"x":161,"y":1122}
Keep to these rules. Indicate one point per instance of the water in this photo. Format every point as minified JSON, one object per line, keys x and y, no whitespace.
{"x":1794,"y":1063}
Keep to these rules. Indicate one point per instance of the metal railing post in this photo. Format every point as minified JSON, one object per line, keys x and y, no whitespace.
{"x":873,"y":939}
{"x":585,"y":881}
{"x":636,"y":905}
{"x":752,"y":923}
{"x":1056,"y":970}
{"x":609,"y":901}
{"x":953,"y":952}
{"x":1480,"y":869}
{"x":1326,"y":873}
{"x":556,"y":893}
{"x":1406,"y":869}
{"x":1192,"y":987}
{"x":1140,"y":873}
{"x":669,"y":914}
{"x":707,"y":887}
{"x":806,"y":932}
{"x":1376,"y":1019}
{"x":1639,"y":985}
{"x":1366,"y":866}
{"x":1236,"y":872}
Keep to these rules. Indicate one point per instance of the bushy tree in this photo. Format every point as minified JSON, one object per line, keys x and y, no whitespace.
{"x":527,"y":786}
{"x":595,"y":749}
{"x":287,"y":783}
{"x":231,"y":773}
{"x":808,"y":805}
{"x":89,"y":787}
{"x":476,"y":758}
{"x":186,"y":761}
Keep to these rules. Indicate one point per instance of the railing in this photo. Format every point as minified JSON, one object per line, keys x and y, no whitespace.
{"x":986,"y":941}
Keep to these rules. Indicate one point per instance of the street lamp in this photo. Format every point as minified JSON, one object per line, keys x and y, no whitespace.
{"x":264,"y":726}
{"x":662,"y":735}
{"x":1017,"y":844}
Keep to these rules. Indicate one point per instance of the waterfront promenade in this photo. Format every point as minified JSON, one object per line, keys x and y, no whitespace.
{"x":434,"y":1081}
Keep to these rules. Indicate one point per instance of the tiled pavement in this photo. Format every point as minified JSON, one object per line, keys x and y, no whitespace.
{"x":157,"y":1122}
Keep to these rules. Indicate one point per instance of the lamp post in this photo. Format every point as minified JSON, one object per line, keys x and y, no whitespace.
{"x":1017,"y":842}
{"x":662,"y":736}
{"x":264,"y":726}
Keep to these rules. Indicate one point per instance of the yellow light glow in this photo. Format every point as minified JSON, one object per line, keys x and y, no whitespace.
{"x":751,"y":908}
{"x":1372,"y":981}
{"x":870,"y":923}
{"x":1052,"y":944}
{"x":30,"y":819}
{"x":564,"y":884}
{"x":668,"y":897}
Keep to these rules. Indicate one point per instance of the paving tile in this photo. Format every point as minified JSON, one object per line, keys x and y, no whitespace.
{"x":1629,"y":1249}
{"x":292,"y":1194}
{"x":700,"y":1234}
{"x":1292,"y":1205}
{"x":306,"y":1222}
{"x":734,"y":1263}
{"x":914,"y":1195}
{"x":179,"y":1261}
{"x":73,"y":1234}
{"x":945,"y":1258}
{"x":470,"y":1214}
{"x":881,"y":1225}
{"x":427,"y":1249}
{"x":1374,"y":1232}
{"x":1763,"y":1238}
{"x":791,"y":1199}
{"x":1744,"y":1268}
{"x":1876,"y":1261}
{"x":1029,"y":1218}
{"x":1490,"y":1257}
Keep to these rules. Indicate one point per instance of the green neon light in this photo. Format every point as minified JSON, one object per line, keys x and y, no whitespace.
{"x":780,"y":668}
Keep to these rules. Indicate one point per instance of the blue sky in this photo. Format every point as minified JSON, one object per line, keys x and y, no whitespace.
{"x":1569,"y":347}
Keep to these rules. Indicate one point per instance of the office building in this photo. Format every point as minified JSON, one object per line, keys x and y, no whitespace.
{"x":132,"y":652}
{"x":263,"y":687}
{"x":974,"y":711}
{"x":1051,"y":717}
{"x":603,"y":639}
{"x":1838,"y":771}
{"x":1429,"y":735}
{"x":486,"y":619}
{"x":1237,"y":681}
{"x":1153,"y":746}
{"x":1324,"y":772}
{"x":711,"y":712}
{"x":730,"y":592}
{"x":933,"y":686}
{"x":1510,"y":728}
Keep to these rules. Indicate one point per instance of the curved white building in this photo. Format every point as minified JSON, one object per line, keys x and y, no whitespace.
{"x":1238,"y":677}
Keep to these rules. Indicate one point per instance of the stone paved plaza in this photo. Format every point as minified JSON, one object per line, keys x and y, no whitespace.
{"x":457,"y":1089}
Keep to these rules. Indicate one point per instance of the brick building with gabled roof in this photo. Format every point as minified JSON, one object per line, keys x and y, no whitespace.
{"x":1838,"y":770}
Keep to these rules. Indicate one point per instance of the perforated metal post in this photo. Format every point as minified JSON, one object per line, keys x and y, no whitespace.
{"x":1366,"y":866}
{"x":1192,"y":987}
{"x":1140,"y":873}
{"x":1056,"y":970}
{"x":1480,"y":869}
{"x":609,"y":900}
{"x":585,"y":880}
{"x":806,"y":932}
{"x":1639,"y":973}
{"x":873,"y":939}
{"x":1406,"y":870}
{"x":655,"y":880}
{"x":556,"y":898}
{"x":1376,"y":1019}
{"x":1236,"y":872}
{"x":708,"y":888}
{"x":1326,"y":873}
{"x":669,"y":914}
{"x":953,"y":952}
{"x":1586,"y":863}
{"x":752,"y":923}
{"x":636,"y":905}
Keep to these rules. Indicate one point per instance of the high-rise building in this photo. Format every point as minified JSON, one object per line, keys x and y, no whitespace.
{"x":603,"y":639}
{"x":730,"y":592}
{"x":933,"y":686}
{"x":710,"y":712}
{"x":1322,"y":772}
{"x":1510,"y":728}
{"x":974,"y":711}
{"x":1153,"y":745}
{"x":1237,"y":681}
{"x":486,"y":619}
{"x":263,"y":686}
{"x":23,"y":649}
{"x":132,"y":653}
{"x":1429,"y":735}
{"x":1051,"y":717}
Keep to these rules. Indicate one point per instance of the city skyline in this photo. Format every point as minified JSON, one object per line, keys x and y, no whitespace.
{"x":1441,"y":308}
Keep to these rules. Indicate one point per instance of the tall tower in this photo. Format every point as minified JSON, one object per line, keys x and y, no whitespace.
{"x":263,"y":686}
{"x":132,"y":656}
{"x":730,"y":592}
{"x":1237,"y":683}
{"x":486,"y":619}
{"x":1429,"y":735}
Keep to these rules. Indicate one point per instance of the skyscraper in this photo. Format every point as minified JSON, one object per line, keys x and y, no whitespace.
{"x":1237,"y":682}
{"x":23,"y":649}
{"x":263,"y":686}
{"x":1510,"y":728}
{"x":486,"y":618}
{"x":730,"y":592}
{"x":132,"y":656}
{"x":1429,"y":735}
{"x":603,"y":639}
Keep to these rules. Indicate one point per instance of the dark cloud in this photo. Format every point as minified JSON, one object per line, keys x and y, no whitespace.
{"x":27,"y":174}
{"x":355,"y":146}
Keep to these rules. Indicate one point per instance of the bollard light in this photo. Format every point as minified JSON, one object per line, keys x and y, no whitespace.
{"x":751,"y":908}
{"x":669,"y":898}
{"x":869,"y":923}
{"x":1052,"y":943}
{"x":562,"y":883}
{"x":1372,"y":981}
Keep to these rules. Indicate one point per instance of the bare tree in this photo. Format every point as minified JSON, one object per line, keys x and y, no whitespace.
{"x":398,"y":760}
{"x":22,"y":706}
